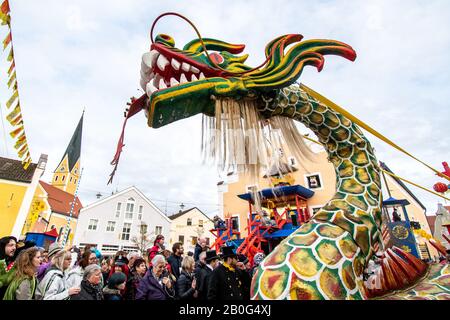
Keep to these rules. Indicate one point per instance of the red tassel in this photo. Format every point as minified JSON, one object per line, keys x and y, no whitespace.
{"x":135,"y":106}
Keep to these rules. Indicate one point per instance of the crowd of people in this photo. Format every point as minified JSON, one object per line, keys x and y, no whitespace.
{"x":28,"y":272}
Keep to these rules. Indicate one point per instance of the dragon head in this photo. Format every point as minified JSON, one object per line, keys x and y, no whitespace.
{"x":182,"y":83}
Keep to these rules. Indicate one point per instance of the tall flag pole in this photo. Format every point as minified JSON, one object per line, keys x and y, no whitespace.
{"x":15,"y":115}
{"x":69,"y":220}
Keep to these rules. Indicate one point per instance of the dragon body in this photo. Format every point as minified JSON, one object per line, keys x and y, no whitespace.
{"x":325,"y":258}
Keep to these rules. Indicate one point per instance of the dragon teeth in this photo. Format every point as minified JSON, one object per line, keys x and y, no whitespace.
{"x":185,"y":66}
{"x":175,"y":64}
{"x":156,"y":80}
{"x":194,"y":69}
{"x":194,"y":78}
{"x":183,"y":78}
{"x":202,"y":76}
{"x":149,"y":58}
{"x":150,"y":88}
{"x":143,"y":84}
{"x":173,"y":82}
{"x":162,"y":62}
{"x":162,"y":84}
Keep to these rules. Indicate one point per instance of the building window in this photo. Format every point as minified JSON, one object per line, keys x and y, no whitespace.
{"x":158,"y":230}
{"x":200,"y":223}
{"x":313,"y":181}
{"x":189,"y":222}
{"x":111,"y":226}
{"x":62,"y":169}
{"x":181,"y":239}
{"x":119,"y":206}
{"x":70,"y":180}
{"x":126,"y":231}
{"x":52,"y":227}
{"x":194,"y":241}
{"x":56,"y":178}
{"x":235,"y":223}
{"x":93,"y":224}
{"x":207,"y":241}
{"x":75,"y":181}
{"x":75,"y":171}
{"x":141,"y":208}
{"x":143,"y":229}
{"x":110,"y":247}
{"x":63,"y":178}
{"x":129,"y":209}
{"x":139,"y":216}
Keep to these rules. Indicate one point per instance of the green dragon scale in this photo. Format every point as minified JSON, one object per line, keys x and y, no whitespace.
{"x":324,"y":258}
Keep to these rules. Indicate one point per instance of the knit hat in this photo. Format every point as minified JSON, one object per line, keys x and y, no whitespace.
{"x":120,"y":260}
{"x":116,"y":279}
{"x":53,"y":249}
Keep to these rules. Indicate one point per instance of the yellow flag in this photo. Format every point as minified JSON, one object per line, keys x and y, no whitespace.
{"x":10,"y":81}
{"x":10,"y":55}
{"x":7,"y":40}
{"x":22,"y":150}
{"x":13,"y":113}
{"x":16,"y":121}
{"x":15,"y":132}
{"x":12,"y":99}
{"x":26,"y":162}
{"x":20,"y":141}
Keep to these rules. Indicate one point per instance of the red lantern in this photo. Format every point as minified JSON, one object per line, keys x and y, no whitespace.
{"x":440,"y":187}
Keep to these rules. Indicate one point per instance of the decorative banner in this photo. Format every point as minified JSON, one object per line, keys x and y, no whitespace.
{"x":15,"y":116}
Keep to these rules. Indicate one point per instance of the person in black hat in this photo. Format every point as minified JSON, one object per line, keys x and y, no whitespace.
{"x":203,"y":274}
{"x":244,"y":275}
{"x":224,"y":282}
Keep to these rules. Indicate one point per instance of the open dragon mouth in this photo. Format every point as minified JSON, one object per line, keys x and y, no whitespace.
{"x":161,"y":68}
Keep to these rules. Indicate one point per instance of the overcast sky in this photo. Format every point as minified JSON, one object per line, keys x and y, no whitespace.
{"x":75,"y":55}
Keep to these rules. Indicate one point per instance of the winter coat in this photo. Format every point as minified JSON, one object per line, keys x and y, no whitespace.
{"x":246,"y":280}
{"x":132,"y":284}
{"x":53,"y":286}
{"x":150,"y":289}
{"x":21,"y":289}
{"x":202,"y":275}
{"x":111,"y":294}
{"x":7,"y":272}
{"x":198,"y":249}
{"x":224,"y":284}
{"x":153,"y":252}
{"x":175,"y":264}
{"x":88,"y":291}
{"x":184,"y":286}
{"x":42,"y":270}
{"x":74,"y":277}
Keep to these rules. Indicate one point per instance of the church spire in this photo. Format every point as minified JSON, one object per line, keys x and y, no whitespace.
{"x":67,"y":172}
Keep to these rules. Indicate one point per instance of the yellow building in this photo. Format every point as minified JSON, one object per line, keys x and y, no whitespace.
{"x":17,"y":187}
{"x":318,"y":176}
{"x":51,"y":206}
{"x":189,"y":225}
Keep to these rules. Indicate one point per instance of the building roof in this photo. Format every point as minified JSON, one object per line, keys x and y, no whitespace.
{"x":73,"y":150}
{"x":179,"y":214}
{"x":385,"y":167}
{"x":431,"y":220}
{"x":13,"y":170}
{"x":120,"y":193}
{"x":61,"y":201}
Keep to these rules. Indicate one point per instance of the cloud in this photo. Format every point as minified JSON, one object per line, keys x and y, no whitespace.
{"x":87,"y":56}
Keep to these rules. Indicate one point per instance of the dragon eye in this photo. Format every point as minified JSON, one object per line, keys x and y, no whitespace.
{"x":216,"y":58}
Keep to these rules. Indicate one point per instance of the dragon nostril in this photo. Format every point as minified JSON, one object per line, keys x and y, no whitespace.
{"x":165,"y":39}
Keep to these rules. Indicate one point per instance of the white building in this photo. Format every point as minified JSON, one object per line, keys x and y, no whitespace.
{"x":188,"y":226}
{"x":113,"y":221}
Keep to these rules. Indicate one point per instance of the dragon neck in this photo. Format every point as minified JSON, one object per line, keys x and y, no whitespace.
{"x":356,"y":205}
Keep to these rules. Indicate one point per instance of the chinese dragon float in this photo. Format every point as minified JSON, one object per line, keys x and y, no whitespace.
{"x":325,"y":258}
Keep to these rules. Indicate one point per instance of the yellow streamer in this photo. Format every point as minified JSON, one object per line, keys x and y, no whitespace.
{"x":15,"y":132}
{"x":13,"y":98}
{"x":13,"y":114}
{"x":363,"y":125}
{"x":11,"y":79}
{"x":414,"y":184}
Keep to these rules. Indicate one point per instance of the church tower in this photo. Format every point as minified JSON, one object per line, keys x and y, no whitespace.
{"x":67,"y":173}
